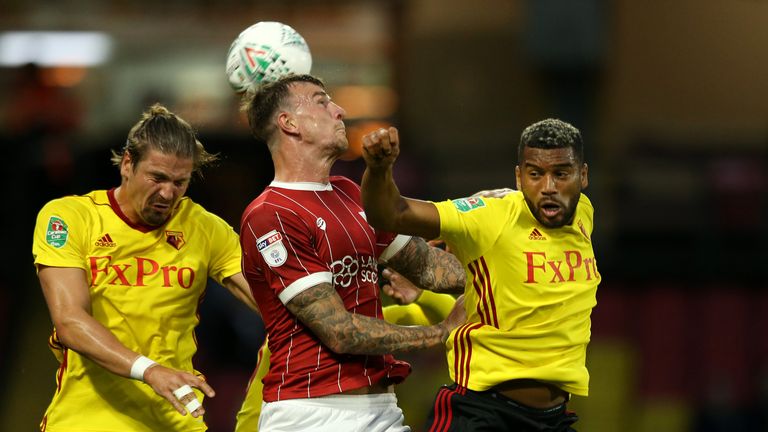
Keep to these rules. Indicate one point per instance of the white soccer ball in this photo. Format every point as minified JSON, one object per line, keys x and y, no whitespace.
{"x":265,"y":52}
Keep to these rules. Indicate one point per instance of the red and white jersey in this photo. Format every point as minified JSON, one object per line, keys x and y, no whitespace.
{"x":295,"y":236}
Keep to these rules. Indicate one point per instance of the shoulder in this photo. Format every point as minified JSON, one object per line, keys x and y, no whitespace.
{"x":275,"y":209}
{"x":270,"y":201}
{"x":78,"y":204}
{"x":190,"y":207}
{"x":585,"y":205}
{"x":482,"y":205}
{"x":345,"y":184}
{"x":194,"y":212}
{"x":513,"y":198}
{"x":585,"y":210}
{"x":586,"y":202}
{"x":65,"y":219}
{"x":341,"y":180}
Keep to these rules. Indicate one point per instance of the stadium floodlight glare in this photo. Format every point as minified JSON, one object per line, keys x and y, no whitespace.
{"x":54,"y":48}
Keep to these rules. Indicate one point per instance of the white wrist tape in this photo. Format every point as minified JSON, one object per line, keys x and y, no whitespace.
{"x":140,"y":365}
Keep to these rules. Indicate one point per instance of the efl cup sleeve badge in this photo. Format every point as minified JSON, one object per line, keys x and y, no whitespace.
{"x":466,"y":204}
{"x":272,"y":248}
{"x":57,"y":233}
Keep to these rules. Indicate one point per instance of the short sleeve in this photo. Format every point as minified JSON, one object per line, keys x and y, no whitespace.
{"x":59,"y":238}
{"x":280,"y":244}
{"x":225,"y":250}
{"x":390,"y":245}
{"x":470,"y":226}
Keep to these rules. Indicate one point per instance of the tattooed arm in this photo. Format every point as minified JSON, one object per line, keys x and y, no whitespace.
{"x":429,"y":267}
{"x":320,"y":308}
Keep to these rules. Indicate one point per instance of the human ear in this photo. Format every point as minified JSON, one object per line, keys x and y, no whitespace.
{"x":126,"y":165}
{"x":287,"y":123}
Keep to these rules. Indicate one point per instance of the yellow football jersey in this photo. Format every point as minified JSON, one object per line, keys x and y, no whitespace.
{"x":145,"y":287}
{"x":529,"y":294}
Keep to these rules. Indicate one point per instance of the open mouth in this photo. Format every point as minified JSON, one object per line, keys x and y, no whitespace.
{"x":159,"y":207}
{"x":550,"y":209}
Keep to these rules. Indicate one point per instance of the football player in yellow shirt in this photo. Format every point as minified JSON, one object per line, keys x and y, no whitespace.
{"x":531,"y":281}
{"x":123,"y":271}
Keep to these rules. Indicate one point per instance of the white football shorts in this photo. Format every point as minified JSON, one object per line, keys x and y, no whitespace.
{"x":334,"y":413}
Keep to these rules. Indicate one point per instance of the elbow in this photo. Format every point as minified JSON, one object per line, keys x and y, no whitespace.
{"x":70,"y":328}
{"x":66,"y":333}
{"x":341,"y":348}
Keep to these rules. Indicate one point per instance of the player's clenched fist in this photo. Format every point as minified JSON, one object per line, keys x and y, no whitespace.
{"x":381,"y":147}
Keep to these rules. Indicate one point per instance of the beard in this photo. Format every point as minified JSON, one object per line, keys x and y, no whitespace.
{"x":567,"y":212}
{"x":567,"y":218}
{"x":153,"y":216}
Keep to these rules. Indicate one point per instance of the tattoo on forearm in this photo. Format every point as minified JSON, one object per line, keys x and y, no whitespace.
{"x":429,"y":267}
{"x":322,"y":311}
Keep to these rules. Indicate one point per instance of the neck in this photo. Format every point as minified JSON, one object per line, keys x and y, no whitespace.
{"x":126,"y":209}
{"x":294,"y":165}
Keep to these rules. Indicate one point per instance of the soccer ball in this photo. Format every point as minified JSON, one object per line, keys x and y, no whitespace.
{"x":264,"y":52}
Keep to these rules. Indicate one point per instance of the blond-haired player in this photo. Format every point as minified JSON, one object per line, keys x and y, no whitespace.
{"x":123,"y":271}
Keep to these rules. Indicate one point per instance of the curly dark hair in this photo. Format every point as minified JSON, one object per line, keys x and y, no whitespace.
{"x":550,"y":134}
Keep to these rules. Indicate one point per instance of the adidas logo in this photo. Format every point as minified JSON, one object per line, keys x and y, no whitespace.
{"x":106,"y":241}
{"x":536,"y":235}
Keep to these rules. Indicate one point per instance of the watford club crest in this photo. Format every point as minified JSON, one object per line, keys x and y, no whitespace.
{"x":583,"y":231}
{"x":175,"y":239}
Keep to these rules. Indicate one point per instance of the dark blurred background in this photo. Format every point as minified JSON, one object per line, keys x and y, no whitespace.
{"x":671,"y":97}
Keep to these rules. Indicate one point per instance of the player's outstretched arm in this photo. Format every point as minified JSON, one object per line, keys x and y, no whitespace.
{"x":320,"y":308}
{"x":66,"y":293}
{"x":384,"y":207}
{"x":429,"y":267}
{"x":415,"y":305}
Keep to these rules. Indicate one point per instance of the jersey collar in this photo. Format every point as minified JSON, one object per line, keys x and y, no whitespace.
{"x":119,"y":212}
{"x":302,"y":186}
